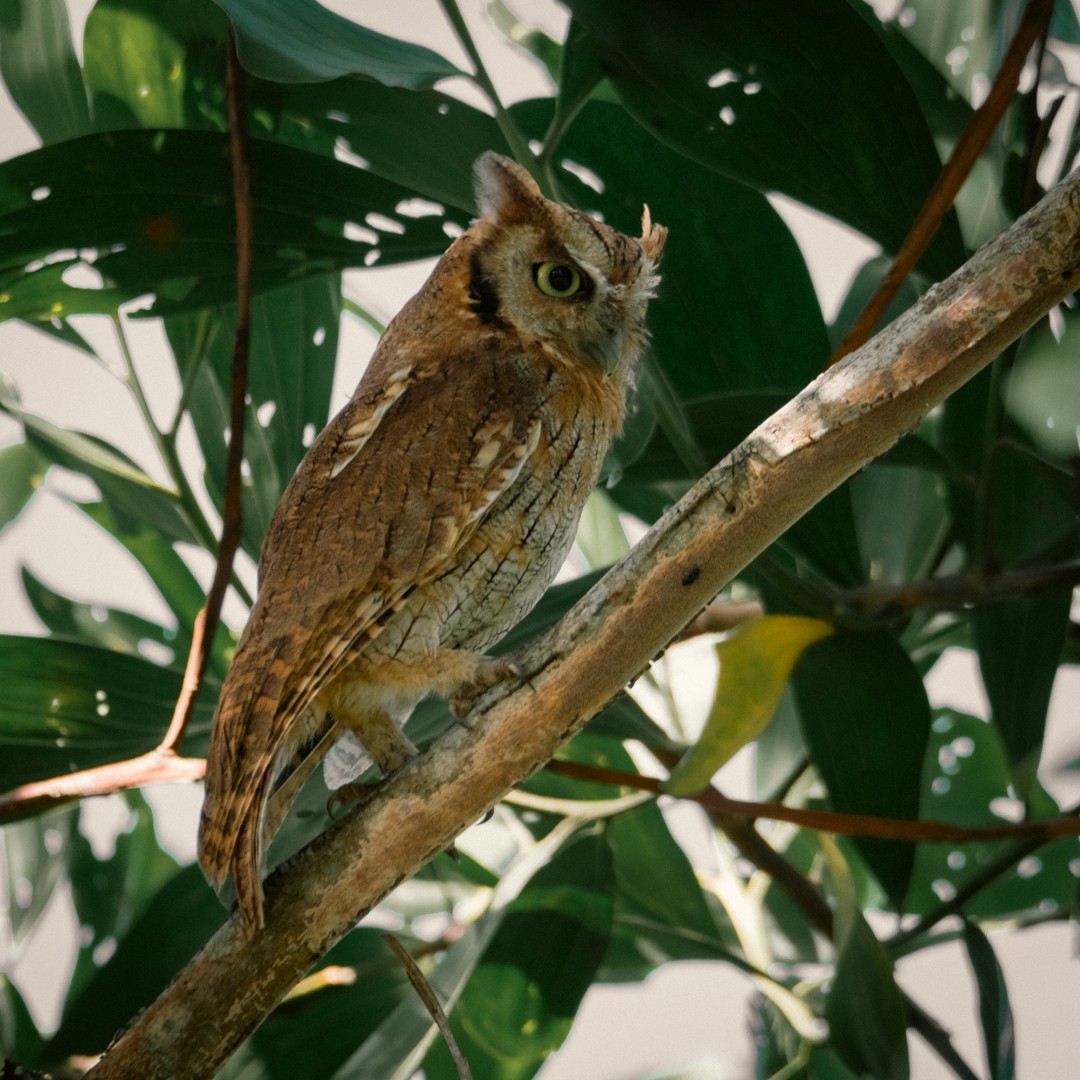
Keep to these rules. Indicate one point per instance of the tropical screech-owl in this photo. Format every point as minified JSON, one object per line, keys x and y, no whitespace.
{"x":434,"y":509}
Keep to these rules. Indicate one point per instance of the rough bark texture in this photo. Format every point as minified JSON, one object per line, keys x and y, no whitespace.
{"x":844,"y":419}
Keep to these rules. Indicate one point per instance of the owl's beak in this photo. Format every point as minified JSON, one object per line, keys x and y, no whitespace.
{"x":609,"y":351}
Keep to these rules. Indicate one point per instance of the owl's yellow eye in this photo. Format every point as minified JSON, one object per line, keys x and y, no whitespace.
{"x":557,"y":279}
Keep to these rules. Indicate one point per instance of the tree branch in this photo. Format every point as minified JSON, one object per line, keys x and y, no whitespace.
{"x":844,"y":419}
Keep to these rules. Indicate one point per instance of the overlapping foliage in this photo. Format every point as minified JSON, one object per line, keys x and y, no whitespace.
{"x":358,"y":159}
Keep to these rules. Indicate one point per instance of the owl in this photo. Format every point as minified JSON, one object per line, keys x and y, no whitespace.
{"x":434,"y":509}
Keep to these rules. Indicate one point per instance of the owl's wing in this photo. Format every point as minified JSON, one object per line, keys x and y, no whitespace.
{"x":390,"y":491}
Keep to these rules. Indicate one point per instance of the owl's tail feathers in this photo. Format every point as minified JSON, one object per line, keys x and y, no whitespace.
{"x":243,"y":745}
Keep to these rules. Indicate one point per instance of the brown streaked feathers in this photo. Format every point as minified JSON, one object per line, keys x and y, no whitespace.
{"x":434,"y":509}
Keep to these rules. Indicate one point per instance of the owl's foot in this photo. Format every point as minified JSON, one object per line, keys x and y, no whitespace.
{"x":489,"y":672}
{"x":349,"y":795}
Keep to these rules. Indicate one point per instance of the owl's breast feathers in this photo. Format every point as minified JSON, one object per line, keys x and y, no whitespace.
{"x":389,"y":496}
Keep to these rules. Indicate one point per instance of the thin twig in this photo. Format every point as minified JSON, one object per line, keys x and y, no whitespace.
{"x":960,"y":590}
{"x":721,"y":616}
{"x":232,"y":507}
{"x":431,"y":1003}
{"x":983,"y":124}
{"x":926,"y":832}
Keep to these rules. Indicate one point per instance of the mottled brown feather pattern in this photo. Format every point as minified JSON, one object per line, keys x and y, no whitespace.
{"x":434,"y":509}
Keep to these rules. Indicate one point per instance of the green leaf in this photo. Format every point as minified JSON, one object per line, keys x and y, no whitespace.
{"x":321,"y":1026}
{"x":650,"y":923}
{"x":170,"y":574}
{"x":40,"y":70}
{"x":721,"y":84}
{"x":522,"y":998}
{"x":294,"y":336}
{"x":1020,"y":642}
{"x":110,"y":892}
{"x":1043,"y":393}
{"x":865,"y":1010}
{"x":967,"y":782}
{"x":1034,"y":507}
{"x":147,"y":63}
{"x":122,"y":483}
{"x":446,"y":136}
{"x":866,"y":721}
{"x":902,"y":521}
{"x":995,"y":1014}
{"x":66,"y":707}
{"x":175,"y":923}
{"x":22,"y":471}
{"x":152,"y":211}
{"x":36,"y":856}
{"x":111,"y":628}
{"x":301,"y":41}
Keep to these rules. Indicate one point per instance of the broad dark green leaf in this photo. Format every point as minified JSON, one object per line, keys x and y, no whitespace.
{"x":967,"y":782}
{"x":674,"y":921}
{"x":174,"y":924}
{"x":22,"y":470}
{"x":446,"y":135}
{"x":294,"y":338}
{"x":66,"y":706}
{"x":1020,"y":643}
{"x":866,"y":721}
{"x":301,"y":41}
{"x":864,"y":1008}
{"x":111,"y":891}
{"x":995,"y":1014}
{"x":153,"y":212}
{"x":40,"y":70}
{"x":36,"y":856}
{"x":722,"y":84}
{"x":522,"y":998}
{"x":1033,"y":508}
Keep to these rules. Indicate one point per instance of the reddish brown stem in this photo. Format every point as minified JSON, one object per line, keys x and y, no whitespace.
{"x":984,"y":122}
{"x":929,"y":832}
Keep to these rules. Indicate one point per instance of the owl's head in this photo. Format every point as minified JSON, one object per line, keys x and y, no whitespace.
{"x":557,"y":273}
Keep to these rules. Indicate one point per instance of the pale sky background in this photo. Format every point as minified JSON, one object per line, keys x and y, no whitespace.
{"x":686,"y":1013}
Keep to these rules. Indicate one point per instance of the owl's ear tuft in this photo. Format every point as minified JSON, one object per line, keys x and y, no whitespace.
{"x":504,"y":190}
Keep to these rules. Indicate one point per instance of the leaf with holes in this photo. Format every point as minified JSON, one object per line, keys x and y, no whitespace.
{"x":722,"y":84}
{"x":151,"y":213}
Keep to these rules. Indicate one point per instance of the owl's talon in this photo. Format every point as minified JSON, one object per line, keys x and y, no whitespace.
{"x":347,"y":796}
{"x":490,"y":673}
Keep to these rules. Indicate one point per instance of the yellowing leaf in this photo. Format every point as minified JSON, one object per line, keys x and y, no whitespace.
{"x":755,"y":662}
